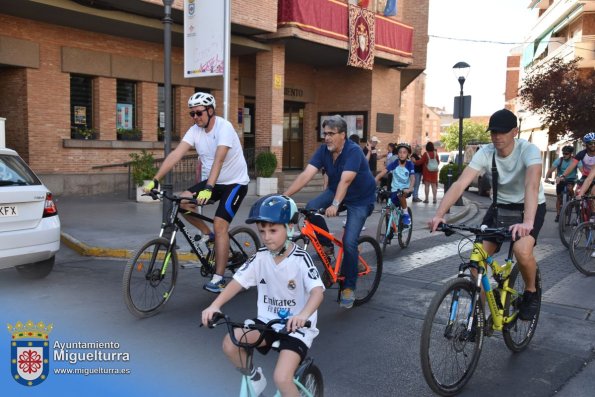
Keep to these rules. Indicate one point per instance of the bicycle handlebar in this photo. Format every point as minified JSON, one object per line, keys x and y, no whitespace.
{"x":482,"y":230}
{"x":155,"y":194}
{"x":220,"y":318}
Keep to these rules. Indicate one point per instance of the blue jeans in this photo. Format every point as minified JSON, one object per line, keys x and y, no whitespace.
{"x":356,"y":217}
{"x":416,"y":186}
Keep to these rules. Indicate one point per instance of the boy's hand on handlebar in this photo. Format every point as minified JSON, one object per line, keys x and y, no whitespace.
{"x":296,"y":322}
{"x":208,"y":314}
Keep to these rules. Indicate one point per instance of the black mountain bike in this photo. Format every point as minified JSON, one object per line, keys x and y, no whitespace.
{"x":150,"y":275}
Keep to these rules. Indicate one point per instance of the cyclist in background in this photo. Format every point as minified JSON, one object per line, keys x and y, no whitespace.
{"x":350,"y":184}
{"x":222,"y":159}
{"x":587,"y":157}
{"x":285,"y":277}
{"x":560,"y":165}
{"x":403,"y":179}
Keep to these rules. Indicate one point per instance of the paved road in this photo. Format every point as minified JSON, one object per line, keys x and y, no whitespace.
{"x":371,"y":350}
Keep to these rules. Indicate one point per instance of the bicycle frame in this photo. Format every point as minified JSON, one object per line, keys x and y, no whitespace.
{"x":309,"y":231}
{"x":395,"y":214}
{"x":480,"y":260}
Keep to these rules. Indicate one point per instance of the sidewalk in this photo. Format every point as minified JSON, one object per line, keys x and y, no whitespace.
{"x":113,"y":226}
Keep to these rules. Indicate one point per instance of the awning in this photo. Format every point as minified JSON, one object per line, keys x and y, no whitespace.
{"x":543,"y":43}
{"x":527,"y":57}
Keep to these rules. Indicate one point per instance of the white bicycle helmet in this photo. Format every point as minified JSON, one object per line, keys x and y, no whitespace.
{"x":201,"y":99}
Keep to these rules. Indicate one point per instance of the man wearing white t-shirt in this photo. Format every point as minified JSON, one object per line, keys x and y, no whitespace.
{"x":519,"y":188}
{"x":222,"y":159}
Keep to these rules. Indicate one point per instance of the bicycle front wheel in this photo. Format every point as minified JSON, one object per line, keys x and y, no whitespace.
{"x":243,"y":244}
{"x":582,"y":250}
{"x":370,"y":255}
{"x":150,"y":277}
{"x":405,"y":232}
{"x":519,"y":333}
{"x":570,"y":217}
{"x":449,"y":353}
{"x":311,"y":380}
{"x":382,"y":229}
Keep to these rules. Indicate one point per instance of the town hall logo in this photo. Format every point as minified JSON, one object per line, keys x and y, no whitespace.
{"x":29,"y":352}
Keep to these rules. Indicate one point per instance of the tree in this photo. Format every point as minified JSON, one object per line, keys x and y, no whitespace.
{"x":472,"y":132}
{"x":563,"y":95}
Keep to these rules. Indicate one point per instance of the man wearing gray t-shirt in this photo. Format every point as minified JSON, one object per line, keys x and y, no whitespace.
{"x":519,"y":189}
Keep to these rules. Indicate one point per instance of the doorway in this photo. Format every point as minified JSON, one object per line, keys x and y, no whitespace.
{"x":293,"y":136}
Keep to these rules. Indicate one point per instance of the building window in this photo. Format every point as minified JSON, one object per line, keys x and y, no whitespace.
{"x":81,"y":107}
{"x":126,"y":111}
{"x":161,"y":114}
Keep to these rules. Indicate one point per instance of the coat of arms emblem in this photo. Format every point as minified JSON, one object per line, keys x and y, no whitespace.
{"x":29,"y":352}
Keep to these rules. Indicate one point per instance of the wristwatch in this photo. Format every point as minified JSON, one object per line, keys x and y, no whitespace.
{"x":336,"y":203}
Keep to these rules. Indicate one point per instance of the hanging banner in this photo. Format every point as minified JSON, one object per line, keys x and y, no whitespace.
{"x":361,"y":38}
{"x":204,"y":31}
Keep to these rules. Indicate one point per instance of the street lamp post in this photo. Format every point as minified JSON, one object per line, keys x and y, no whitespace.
{"x":167,"y":22}
{"x":461,"y":70}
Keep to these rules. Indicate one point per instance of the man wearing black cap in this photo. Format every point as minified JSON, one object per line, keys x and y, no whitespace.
{"x":519,"y":192}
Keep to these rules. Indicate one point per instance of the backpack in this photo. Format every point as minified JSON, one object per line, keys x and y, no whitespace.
{"x":432,"y":163}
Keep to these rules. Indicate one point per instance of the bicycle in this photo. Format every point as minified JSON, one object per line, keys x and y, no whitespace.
{"x":150,"y":275}
{"x":572,"y":214}
{"x":454,"y":326}
{"x":308,"y":377}
{"x":391,"y":223}
{"x":566,"y":196}
{"x":369,"y":259}
{"x":582,"y":249}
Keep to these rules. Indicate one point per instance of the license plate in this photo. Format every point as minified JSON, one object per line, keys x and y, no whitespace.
{"x":8,"y":210}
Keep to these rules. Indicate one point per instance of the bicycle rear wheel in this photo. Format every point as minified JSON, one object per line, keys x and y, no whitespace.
{"x":570,"y":217}
{"x":311,"y":380}
{"x":519,"y":333}
{"x":382,"y":229}
{"x":146,"y":285}
{"x":582,"y":250}
{"x":404,"y":234}
{"x":369,"y":252}
{"x":243,"y":244}
{"x":449,"y":353}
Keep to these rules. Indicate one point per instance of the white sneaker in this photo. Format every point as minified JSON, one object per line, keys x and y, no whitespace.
{"x":260,"y":384}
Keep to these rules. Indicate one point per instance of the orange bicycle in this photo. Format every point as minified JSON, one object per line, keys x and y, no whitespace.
{"x":369,"y":257}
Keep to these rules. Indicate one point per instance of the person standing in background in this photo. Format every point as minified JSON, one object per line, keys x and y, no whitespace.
{"x":415,"y":157}
{"x":429,"y":161}
{"x":372,"y":154}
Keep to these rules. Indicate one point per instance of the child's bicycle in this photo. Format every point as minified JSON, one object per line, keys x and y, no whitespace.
{"x":369,"y":260}
{"x":308,"y":377}
{"x":150,"y":275}
{"x":455,"y":324}
{"x":391,"y":224}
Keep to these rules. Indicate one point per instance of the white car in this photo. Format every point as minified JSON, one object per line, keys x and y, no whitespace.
{"x":29,"y":222}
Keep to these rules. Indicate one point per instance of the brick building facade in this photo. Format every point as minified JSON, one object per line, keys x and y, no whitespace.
{"x":283,"y":78}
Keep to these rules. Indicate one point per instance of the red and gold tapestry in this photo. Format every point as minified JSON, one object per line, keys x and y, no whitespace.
{"x":361,"y":37}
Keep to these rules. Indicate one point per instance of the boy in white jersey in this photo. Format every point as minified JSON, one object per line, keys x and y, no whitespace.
{"x":403,"y":179}
{"x":286,"y":278}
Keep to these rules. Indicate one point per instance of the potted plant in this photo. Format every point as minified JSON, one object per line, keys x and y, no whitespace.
{"x":142,"y":169}
{"x":133,"y":134}
{"x":83,"y":133}
{"x":265,"y":165}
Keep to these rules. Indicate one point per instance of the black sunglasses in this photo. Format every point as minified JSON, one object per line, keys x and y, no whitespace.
{"x":197,"y":113}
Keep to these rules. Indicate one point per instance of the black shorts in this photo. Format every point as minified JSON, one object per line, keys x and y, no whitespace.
{"x":286,"y":342}
{"x":560,"y":187}
{"x":489,"y":220}
{"x":395,"y":196}
{"x":229,"y":196}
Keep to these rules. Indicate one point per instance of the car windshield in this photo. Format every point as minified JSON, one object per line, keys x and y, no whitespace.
{"x":444,"y":158}
{"x":14,"y":171}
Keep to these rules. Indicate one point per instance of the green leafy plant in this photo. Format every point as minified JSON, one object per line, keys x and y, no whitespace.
{"x":454,"y":171}
{"x":142,"y":167}
{"x":84,"y":133}
{"x":265,"y":164}
{"x":130,"y":134}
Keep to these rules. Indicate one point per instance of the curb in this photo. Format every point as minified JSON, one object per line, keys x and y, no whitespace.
{"x":86,"y":250}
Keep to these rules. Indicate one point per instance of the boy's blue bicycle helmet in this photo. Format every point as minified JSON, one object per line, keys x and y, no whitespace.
{"x":274,"y":208}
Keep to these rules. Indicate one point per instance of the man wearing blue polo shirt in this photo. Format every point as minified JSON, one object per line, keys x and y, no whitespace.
{"x":350,"y":184}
